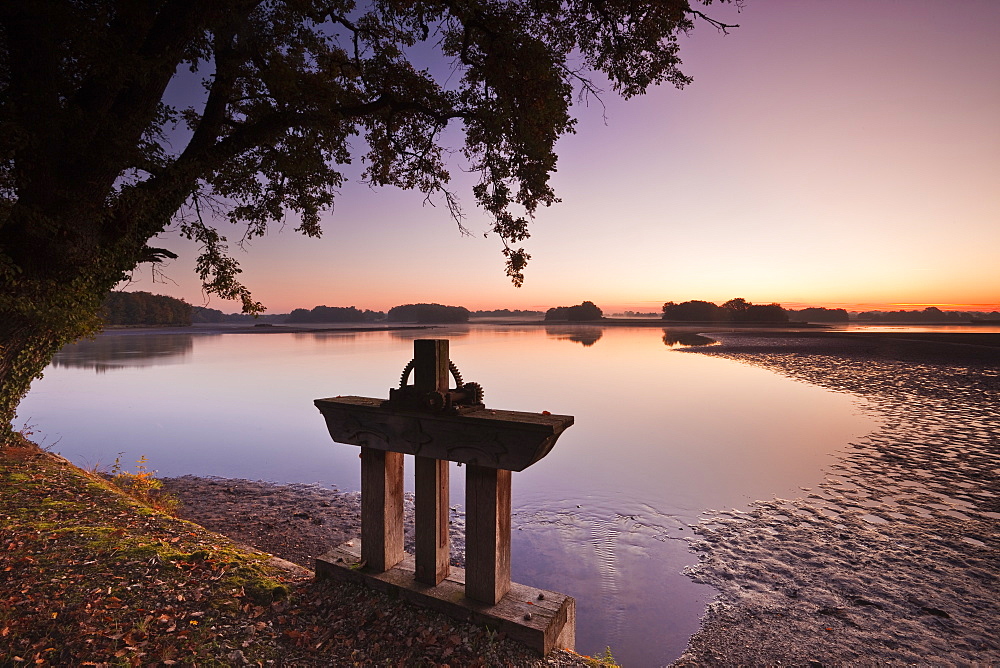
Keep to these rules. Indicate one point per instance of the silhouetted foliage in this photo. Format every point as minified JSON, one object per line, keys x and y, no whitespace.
{"x":333,"y":314}
{"x":204,"y":315}
{"x":636,"y":314}
{"x":693,"y":311}
{"x":931,"y":314}
{"x":820,"y":314}
{"x":579,"y":313}
{"x":770,"y":313}
{"x":736,"y":310}
{"x":427,"y":313}
{"x":143,"y":308}
{"x":506,"y":313}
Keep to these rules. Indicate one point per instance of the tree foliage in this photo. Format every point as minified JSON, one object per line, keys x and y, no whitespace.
{"x":820,"y":314}
{"x":693,"y":311}
{"x":427,"y":313}
{"x":581,"y":312}
{"x":143,"y":308}
{"x":95,"y":160}
{"x":930,"y":314}
{"x":333,"y":314}
{"x":733,"y":311}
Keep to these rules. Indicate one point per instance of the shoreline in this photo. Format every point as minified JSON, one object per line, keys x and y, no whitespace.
{"x":893,"y":559}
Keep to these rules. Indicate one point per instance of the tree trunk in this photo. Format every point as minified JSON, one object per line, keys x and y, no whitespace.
{"x":37,"y":318}
{"x":24,"y":352}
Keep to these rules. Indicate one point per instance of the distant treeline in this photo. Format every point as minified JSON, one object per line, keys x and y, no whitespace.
{"x":143,"y":308}
{"x":333,"y":314}
{"x":201,"y":314}
{"x":734,"y":310}
{"x":636,"y":314}
{"x":927,"y":315}
{"x":578,"y":313}
{"x":506,"y":313}
{"x":819,"y":314}
{"x":146,"y":309}
{"x":427,"y":313}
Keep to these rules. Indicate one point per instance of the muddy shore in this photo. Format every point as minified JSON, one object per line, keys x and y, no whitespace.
{"x":892,"y":560}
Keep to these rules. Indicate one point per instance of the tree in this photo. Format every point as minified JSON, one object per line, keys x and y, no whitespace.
{"x":426,"y":313}
{"x":581,"y":312}
{"x":584,"y":311}
{"x":821,"y":314}
{"x":333,"y":314}
{"x":143,"y":308}
{"x":693,"y":311}
{"x":95,"y":162}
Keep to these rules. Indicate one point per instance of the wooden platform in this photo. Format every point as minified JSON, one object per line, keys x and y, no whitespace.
{"x":542,"y":620}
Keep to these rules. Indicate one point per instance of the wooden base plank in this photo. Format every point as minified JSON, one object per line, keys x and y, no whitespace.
{"x":542,"y":620}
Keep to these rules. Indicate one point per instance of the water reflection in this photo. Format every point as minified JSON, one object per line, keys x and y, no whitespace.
{"x":110,"y":352}
{"x":429,"y":332}
{"x":586,"y":336}
{"x":674,"y":339}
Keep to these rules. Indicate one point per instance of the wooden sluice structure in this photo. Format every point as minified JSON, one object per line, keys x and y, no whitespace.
{"x":438,"y":425}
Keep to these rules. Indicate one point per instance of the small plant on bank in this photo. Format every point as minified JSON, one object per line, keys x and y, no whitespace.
{"x":142,"y":485}
{"x":602,"y":660}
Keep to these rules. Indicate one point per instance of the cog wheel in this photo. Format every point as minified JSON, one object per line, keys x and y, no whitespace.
{"x":476,"y":390}
{"x":408,"y":369}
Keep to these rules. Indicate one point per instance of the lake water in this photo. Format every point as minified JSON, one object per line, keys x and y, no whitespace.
{"x":660,"y":437}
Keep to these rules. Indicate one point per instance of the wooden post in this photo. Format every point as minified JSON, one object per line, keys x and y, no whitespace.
{"x":381,"y":508}
{"x":487,"y":533}
{"x":432,"y":546}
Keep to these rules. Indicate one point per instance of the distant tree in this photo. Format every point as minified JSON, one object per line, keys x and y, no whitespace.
{"x":506,"y":313}
{"x":96,"y":161}
{"x":556,"y":313}
{"x":931,"y":314}
{"x":740,"y":310}
{"x":734,"y":310}
{"x":143,"y":308}
{"x":428,"y":313}
{"x":579,"y":313}
{"x":693,"y":311}
{"x":736,"y":307}
{"x":765,"y":313}
{"x":333,"y":314}
{"x":584,"y":311}
{"x":820,"y":314}
{"x":201,"y":314}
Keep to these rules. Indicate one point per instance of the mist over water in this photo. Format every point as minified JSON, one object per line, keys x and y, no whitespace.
{"x":660,"y":438}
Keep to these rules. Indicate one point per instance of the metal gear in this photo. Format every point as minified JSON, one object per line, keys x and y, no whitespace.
{"x":405,"y":376}
{"x":476,"y":390}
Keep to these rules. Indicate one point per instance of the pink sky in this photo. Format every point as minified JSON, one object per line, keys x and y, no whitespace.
{"x":828,"y":153}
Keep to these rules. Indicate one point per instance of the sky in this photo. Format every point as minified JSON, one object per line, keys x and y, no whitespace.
{"x":840,"y":154}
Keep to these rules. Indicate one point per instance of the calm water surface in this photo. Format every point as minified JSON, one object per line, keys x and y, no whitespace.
{"x":660,"y":436}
